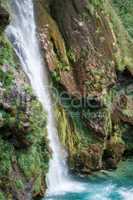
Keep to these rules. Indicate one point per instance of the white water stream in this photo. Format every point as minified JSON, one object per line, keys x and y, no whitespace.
{"x":22,"y":34}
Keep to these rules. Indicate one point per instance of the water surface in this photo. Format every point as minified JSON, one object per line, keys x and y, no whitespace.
{"x":113,"y":185}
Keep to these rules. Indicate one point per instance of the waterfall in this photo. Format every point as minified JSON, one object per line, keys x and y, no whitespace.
{"x":22,"y":34}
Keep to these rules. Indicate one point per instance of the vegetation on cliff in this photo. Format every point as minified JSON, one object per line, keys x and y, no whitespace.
{"x":94,"y":82}
{"x":23,"y":145}
{"x":125,"y":10}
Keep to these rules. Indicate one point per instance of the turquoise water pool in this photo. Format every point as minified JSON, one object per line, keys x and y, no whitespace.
{"x":113,"y":185}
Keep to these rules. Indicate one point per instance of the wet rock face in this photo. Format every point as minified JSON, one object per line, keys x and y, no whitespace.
{"x":89,"y":42}
{"x":82,"y":49}
{"x":89,"y":47}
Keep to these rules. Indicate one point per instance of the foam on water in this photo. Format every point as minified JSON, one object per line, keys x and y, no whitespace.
{"x":126,"y":194}
{"x":68,"y":187}
{"x":113,"y":185}
{"x":101,"y":192}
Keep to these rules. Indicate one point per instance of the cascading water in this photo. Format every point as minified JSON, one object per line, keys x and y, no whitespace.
{"x":22,"y":34}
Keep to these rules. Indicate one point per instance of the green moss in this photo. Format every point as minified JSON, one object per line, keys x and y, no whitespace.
{"x":32,"y":161}
{"x":97,"y":3}
{"x":29,"y":162}
{"x":7,"y":63}
{"x":38,"y":121}
{"x":73,"y":133}
{"x":63,"y":67}
{"x":68,"y":136}
{"x":6,"y":52}
{"x":6,"y":78}
{"x":123,"y":41}
{"x":6,"y":153}
{"x":117,"y":135}
{"x":55,"y":76}
{"x":35,"y":159}
{"x":125,"y":10}
{"x":5,"y":4}
{"x":19,"y":184}
{"x":2,"y":197}
{"x":71,"y":55}
{"x":37,"y":184}
{"x":127,"y":112}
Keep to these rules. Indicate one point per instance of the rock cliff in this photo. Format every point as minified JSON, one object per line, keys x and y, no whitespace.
{"x":88,"y":47}
{"x":89,"y":55}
